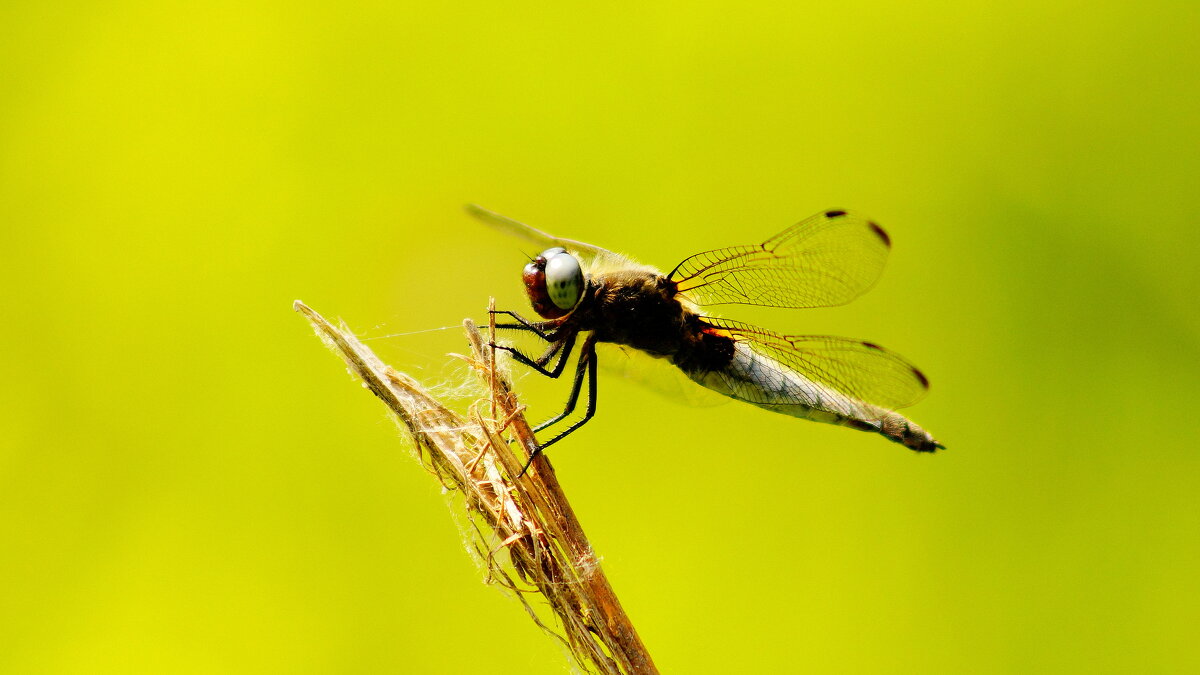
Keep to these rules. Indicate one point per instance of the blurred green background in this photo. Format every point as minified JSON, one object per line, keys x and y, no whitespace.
{"x":189,"y":481}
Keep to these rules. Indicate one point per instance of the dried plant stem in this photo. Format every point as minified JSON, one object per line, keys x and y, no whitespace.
{"x":530,"y":539}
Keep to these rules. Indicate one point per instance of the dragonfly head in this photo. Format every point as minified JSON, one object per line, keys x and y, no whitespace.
{"x":554,"y":283}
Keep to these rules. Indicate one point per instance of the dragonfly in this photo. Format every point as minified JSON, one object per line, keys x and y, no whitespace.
{"x":588,"y":295}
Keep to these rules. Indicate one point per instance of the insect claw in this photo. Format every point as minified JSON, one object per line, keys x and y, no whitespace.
{"x":529,"y":463}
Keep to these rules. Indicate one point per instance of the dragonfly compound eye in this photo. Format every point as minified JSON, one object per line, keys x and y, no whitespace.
{"x":564,"y":279}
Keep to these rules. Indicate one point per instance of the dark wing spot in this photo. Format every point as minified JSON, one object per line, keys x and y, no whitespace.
{"x":872,"y":345}
{"x":887,"y":241}
{"x":834,"y":214}
{"x":921,"y":376}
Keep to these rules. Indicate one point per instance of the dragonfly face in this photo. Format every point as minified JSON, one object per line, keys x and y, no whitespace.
{"x":827,"y":259}
{"x":554,"y":282}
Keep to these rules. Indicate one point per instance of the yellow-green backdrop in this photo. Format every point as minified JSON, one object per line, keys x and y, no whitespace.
{"x":190,"y":483}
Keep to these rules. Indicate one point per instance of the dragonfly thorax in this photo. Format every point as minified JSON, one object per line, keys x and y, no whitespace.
{"x":638,"y":308}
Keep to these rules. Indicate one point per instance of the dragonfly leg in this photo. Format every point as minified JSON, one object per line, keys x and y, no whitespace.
{"x":560,"y":347}
{"x":538,"y":328}
{"x":587,"y":362}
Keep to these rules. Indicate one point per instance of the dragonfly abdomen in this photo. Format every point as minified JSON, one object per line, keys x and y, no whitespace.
{"x":898,"y":429}
{"x":759,"y":380}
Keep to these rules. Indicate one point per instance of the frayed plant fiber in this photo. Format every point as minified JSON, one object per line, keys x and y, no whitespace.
{"x":525,"y":532}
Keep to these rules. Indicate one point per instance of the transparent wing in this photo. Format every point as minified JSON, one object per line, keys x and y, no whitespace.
{"x":589,"y":255}
{"x":657,"y":375}
{"x":825,"y":260}
{"x":861,"y":370}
